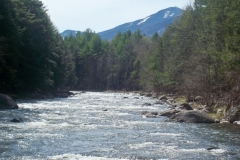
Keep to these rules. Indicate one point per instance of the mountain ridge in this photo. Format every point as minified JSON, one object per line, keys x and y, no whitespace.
{"x":157,"y":22}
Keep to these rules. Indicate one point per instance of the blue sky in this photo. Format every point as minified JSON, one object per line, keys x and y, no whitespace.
{"x":100,"y":15}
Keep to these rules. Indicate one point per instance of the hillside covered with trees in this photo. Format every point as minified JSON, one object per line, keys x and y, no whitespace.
{"x":197,"y":55}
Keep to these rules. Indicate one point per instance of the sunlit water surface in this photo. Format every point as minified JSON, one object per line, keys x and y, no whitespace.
{"x":78,"y":128}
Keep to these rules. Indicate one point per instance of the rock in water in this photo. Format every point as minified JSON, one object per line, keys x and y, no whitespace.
{"x":16,"y":120}
{"x":191,"y":117}
{"x":7,"y":102}
{"x":169,"y":112}
{"x":186,"y":106}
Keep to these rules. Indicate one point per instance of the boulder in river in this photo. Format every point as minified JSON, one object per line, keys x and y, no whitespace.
{"x":63,"y":94}
{"x":16,"y":120}
{"x":169,"y":112}
{"x":149,"y":115}
{"x":146,"y":104}
{"x":233,"y":114}
{"x":7,"y":102}
{"x":159,"y":102}
{"x":191,"y":117}
{"x":144,"y":112}
{"x":162,"y":98}
{"x":148,"y":95}
{"x":186,"y":106}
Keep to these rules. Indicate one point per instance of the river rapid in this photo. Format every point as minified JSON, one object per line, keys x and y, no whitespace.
{"x":108,"y":126}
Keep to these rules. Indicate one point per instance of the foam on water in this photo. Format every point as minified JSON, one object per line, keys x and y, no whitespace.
{"x":167,"y":134}
{"x":141,"y":145}
{"x":79,"y":157}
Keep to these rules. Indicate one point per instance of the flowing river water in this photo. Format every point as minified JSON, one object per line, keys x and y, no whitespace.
{"x":105,"y":126}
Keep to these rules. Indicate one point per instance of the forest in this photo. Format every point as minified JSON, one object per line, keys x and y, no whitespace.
{"x":198,"y":55}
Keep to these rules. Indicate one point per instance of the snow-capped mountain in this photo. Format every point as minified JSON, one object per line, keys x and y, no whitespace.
{"x":149,"y":25}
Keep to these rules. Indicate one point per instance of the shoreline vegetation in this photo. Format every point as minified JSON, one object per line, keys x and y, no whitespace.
{"x":197,"y":57}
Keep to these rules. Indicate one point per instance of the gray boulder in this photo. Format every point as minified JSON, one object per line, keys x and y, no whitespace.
{"x":149,"y":115}
{"x":186,"y":106}
{"x":144,"y":112}
{"x":16,"y":120}
{"x":154,"y":113}
{"x":148,"y":95}
{"x":146,"y":104}
{"x":159,"y":102}
{"x":168,"y":113}
{"x":191,"y":117}
{"x":198,"y":98}
{"x":7,"y":102}
{"x":233,"y":114}
{"x":162,"y":98}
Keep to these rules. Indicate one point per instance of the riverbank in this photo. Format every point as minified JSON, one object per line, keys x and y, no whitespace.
{"x":178,"y":105}
{"x":182,"y":107}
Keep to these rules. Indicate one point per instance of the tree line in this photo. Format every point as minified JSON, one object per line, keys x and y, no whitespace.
{"x":197,"y":55}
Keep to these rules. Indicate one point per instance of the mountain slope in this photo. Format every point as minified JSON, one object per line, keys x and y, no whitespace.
{"x":68,"y":32}
{"x":157,"y":22}
{"x":149,"y":25}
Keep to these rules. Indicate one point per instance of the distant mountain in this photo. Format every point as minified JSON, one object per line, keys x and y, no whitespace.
{"x":149,"y":25}
{"x":68,"y":32}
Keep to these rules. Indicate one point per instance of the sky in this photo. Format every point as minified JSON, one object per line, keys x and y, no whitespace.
{"x":101,"y":15}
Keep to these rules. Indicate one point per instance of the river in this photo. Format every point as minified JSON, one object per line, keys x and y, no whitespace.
{"x":106,"y":126}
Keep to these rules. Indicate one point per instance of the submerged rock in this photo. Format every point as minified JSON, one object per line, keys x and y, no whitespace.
{"x":146,"y":104}
{"x":211,"y":148}
{"x":144,"y":112}
{"x":191,"y":117}
{"x":149,"y":115}
{"x":16,"y":120}
{"x":7,"y":102}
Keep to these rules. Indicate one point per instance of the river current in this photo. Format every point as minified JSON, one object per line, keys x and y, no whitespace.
{"x":109,"y":126}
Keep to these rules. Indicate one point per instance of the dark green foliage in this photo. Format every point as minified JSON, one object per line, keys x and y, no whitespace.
{"x":30,"y":47}
{"x":197,"y":55}
{"x":9,"y":43}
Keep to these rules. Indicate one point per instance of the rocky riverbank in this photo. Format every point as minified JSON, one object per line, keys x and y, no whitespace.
{"x":8,"y":103}
{"x":191,"y":112}
{"x":179,"y":109}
